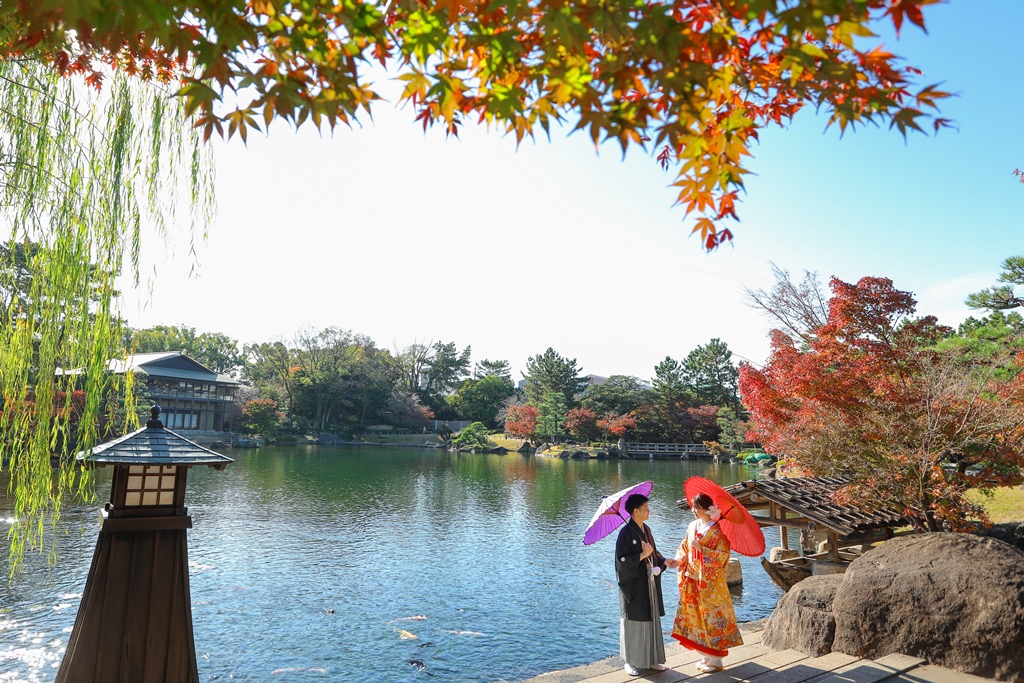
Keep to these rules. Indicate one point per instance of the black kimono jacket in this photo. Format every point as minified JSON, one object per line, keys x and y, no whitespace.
{"x":631,"y":573}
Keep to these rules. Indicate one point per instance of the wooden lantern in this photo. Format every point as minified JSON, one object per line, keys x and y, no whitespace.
{"x":135,"y":620}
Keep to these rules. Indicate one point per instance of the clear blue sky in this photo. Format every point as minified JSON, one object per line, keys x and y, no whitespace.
{"x":410,"y":237}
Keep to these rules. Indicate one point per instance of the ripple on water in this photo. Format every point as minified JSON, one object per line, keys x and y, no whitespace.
{"x":302,"y":561}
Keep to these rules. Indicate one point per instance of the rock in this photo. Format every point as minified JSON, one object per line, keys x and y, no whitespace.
{"x":956,"y":600}
{"x":327,"y":438}
{"x":734,"y":573}
{"x":1010,"y":532}
{"x":776,"y":554}
{"x":803,"y":619}
{"x":824,"y":566}
{"x":500,"y":450}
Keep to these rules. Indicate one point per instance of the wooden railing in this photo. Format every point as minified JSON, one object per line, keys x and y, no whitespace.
{"x":684,"y":451}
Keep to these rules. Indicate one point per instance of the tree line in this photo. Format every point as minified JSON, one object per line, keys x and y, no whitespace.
{"x":341,"y":381}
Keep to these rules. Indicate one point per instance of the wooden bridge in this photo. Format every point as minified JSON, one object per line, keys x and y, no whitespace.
{"x":683,"y":451}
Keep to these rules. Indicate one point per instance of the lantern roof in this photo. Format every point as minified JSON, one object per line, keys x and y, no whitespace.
{"x":152,"y":445}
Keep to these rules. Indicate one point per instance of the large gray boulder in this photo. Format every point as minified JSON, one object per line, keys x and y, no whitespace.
{"x":956,"y":600}
{"x":803,"y":619}
{"x":1008,"y":532}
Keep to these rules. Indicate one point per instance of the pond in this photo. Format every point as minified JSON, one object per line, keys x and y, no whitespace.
{"x":382,"y":564}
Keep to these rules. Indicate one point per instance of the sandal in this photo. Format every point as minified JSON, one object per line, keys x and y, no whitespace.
{"x":705,"y":668}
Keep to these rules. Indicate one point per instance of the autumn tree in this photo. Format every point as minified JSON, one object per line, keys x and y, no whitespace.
{"x":704,"y":423}
{"x":550,"y":371}
{"x":581,"y":423}
{"x":405,"y":409}
{"x":617,"y":426}
{"x":799,"y":308}
{"x":693,"y":81}
{"x":261,"y":416}
{"x":871,"y":398}
{"x":521,"y":422}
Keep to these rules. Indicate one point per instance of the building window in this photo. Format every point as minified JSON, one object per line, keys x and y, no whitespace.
{"x":181,"y":419}
{"x":150,"y":485}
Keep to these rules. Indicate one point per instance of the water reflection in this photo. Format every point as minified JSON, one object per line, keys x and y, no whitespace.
{"x":383,"y":564}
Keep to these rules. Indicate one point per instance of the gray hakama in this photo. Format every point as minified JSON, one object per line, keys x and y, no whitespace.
{"x":641,"y":642}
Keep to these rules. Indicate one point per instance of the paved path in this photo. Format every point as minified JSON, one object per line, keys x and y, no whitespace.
{"x":754,"y":662}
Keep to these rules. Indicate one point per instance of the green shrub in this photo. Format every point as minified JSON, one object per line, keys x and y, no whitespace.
{"x":473,"y":436}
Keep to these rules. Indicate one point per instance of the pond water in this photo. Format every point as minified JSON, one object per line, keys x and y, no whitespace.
{"x":382,"y":564}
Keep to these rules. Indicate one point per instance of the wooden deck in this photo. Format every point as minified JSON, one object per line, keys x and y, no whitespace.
{"x":755,"y":663}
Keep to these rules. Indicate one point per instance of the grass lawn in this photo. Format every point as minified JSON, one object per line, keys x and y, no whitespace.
{"x":1006,"y":504}
{"x":510,"y":444}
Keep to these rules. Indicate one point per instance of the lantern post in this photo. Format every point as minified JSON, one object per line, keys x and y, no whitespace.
{"x":135,"y":619}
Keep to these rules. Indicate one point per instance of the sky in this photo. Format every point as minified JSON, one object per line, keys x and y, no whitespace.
{"x":411,"y":237}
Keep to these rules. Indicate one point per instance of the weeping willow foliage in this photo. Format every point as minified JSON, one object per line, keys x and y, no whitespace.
{"x":81,"y":175}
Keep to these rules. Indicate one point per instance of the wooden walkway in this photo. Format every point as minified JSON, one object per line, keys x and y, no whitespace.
{"x":755,"y":663}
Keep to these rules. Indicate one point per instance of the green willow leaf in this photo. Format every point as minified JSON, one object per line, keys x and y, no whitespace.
{"x":80,"y":173}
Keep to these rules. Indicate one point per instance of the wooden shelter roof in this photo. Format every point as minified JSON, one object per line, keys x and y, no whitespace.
{"x":810,"y":502}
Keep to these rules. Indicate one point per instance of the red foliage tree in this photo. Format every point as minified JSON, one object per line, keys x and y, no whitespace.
{"x":696,"y":79}
{"x":521,"y":422}
{"x":582,"y":423}
{"x":705,"y":423}
{"x":616,"y":425}
{"x":870,"y":397}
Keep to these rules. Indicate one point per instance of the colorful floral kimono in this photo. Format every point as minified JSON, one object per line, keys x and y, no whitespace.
{"x":705,"y":620}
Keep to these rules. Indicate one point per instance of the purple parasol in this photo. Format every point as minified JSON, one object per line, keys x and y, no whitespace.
{"x":612,"y":513}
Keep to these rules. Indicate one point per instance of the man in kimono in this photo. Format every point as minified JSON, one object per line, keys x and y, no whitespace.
{"x":638,"y":567}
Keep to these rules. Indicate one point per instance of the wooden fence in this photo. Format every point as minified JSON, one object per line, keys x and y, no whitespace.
{"x":683,"y":451}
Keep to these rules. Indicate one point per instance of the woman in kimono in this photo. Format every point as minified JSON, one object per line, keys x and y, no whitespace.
{"x":638,"y":567}
{"x":705,"y":620}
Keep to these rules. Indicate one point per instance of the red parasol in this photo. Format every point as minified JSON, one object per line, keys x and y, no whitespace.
{"x":742,"y":530}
